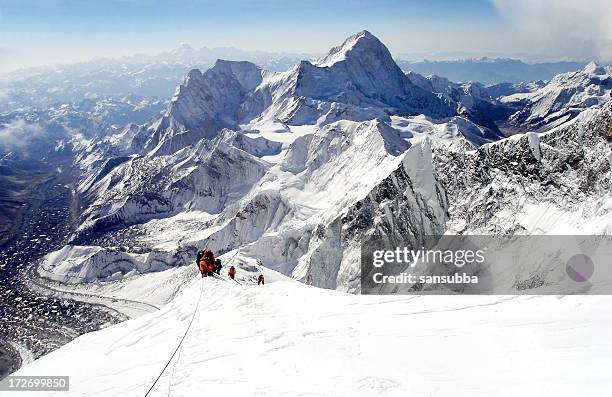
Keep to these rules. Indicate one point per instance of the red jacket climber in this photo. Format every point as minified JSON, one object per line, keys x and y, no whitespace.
{"x":260,"y":279}
{"x":232,"y":272}
{"x":206,"y":263}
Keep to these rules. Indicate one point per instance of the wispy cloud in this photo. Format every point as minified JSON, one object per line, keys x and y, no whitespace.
{"x":561,"y":28}
{"x":18,"y":134}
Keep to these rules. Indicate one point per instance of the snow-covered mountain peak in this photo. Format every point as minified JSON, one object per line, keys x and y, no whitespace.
{"x":361,"y":72}
{"x":594,"y":68}
{"x":247,"y":73}
{"x":357,"y":80}
{"x":360,"y":42}
{"x":203,"y":105}
{"x":363,"y":54}
{"x":193,"y":74}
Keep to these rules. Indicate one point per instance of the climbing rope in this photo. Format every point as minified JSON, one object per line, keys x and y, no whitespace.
{"x":233,"y":256}
{"x":180,"y":343}
{"x":178,"y":358}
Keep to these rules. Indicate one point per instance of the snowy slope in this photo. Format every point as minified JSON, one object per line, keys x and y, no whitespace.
{"x":291,"y":339}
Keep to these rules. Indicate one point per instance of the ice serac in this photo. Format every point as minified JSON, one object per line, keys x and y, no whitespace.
{"x":202,"y":105}
{"x":362,"y":72}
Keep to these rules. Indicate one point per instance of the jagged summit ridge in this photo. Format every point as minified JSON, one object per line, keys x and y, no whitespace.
{"x":594,"y":68}
{"x":363,"y":41}
{"x":357,"y":79}
{"x":203,"y":105}
{"x":362,"y":72}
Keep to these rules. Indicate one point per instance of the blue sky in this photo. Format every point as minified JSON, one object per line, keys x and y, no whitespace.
{"x":33,"y":32}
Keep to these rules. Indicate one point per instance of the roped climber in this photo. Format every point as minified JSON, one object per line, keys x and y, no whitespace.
{"x":232,"y":272}
{"x":206,"y":262}
{"x":261,"y":279}
{"x":218,"y":266}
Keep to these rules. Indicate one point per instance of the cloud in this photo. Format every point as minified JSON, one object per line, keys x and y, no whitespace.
{"x":18,"y":134}
{"x":561,"y":28}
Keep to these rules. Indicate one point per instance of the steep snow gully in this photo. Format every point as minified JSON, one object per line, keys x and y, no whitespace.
{"x":285,"y":174}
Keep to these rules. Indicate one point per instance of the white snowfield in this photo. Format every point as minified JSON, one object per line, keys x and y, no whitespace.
{"x":289,"y":339}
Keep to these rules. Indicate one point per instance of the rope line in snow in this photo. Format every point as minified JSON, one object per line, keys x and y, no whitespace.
{"x":181,"y":342}
{"x":180,"y":352}
{"x":193,"y":316}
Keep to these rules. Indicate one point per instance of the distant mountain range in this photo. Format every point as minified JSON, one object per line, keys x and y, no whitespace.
{"x":146,"y":77}
{"x":153,"y":77}
{"x":490,"y":70}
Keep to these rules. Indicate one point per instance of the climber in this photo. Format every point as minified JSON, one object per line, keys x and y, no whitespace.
{"x":206,"y":262}
{"x":211,"y":267}
{"x":218,"y":266}
{"x":260,"y":279}
{"x":232,"y":272}
{"x":199,"y":257}
{"x":199,"y":261}
{"x":202,"y":267}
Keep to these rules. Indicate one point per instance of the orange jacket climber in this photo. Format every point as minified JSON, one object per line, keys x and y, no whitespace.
{"x":232,"y":272}
{"x":202,"y":266}
{"x":260,"y":279}
{"x":206,"y":263}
